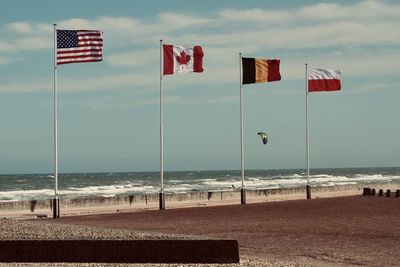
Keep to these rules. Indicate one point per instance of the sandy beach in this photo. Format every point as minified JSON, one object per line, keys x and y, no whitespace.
{"x":340,"y":231}
{"x":129,"y":203}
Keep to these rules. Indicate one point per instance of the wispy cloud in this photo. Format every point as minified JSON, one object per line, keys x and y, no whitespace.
{"x":217,"y":72}
{"x":368,"y":87}
{"x":118,"y":103}
{"x":25,"y":87}
{"x":360,"y":38}
{"x":127,"y":103}
{"x":133,"y":58}
{"x":24,"y":27}
{"x":320,"y":25}
{"x":20,"y":27}
{"x":136,"y":81}
{"x":173,"y":20}
{"x":322,"y":12}
{"x":7,"y":59}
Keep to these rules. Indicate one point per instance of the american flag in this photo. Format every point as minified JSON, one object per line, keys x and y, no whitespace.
{"x":79,"y":46}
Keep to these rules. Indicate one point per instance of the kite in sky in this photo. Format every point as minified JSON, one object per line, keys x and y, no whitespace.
{"x":263,"y":137}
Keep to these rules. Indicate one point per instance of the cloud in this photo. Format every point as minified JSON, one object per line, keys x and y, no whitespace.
{"x":322,"y":12}
{"x":359,"y":38}
{"x":314,"y":26}
{"x":137,"y":81}
{"x":25,"y":36}
{"x":134,"y":58}
{"x":6,"y":60}
{"x":6,"y":46}
{"x":255,"y":15}
{"x":20,"y":27}
{"x":173,"y":20}
{"x":216,"y":72}
{"x":26,"y":44}
{"x":215,"y":100}
{"x":124,"y":103}
{"x":23,"y":27}
{"x":25,"y":87}
{"x":34,"y":43}
{"x":372,"y":87}
{"x":300,"y":37}
{"x":130,"y":30}
{"x":104,"y":23}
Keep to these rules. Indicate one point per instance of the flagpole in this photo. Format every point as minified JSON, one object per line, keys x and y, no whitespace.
{"x":242,"y":191}
{"x":56,"y":201}
{"x":161,"y":194}
{"x":308,"y":189}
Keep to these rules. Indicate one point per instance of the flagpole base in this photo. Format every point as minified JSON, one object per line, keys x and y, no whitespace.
{"x":56,"y":208}
{"x":242,"y":196}
{"x":308,"y":190}
{"x":161,"y":197}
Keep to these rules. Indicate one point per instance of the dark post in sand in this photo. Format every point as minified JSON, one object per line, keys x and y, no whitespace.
{"x":56,"y":208}
{"x":243,"y":196}
{"x":161,"y":197}
{"x":308,"y":189}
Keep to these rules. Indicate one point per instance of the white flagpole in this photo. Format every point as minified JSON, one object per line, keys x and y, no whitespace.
{"x":56,"y":205}
{"x":308,"y":189}
{"x":161,"y":194}
{"x":242,"y":191}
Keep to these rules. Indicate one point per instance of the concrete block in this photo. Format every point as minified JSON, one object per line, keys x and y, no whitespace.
{"x":120,"y":251}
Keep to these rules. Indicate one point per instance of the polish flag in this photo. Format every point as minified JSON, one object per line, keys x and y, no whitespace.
{"x":324,"y":80}
{"x":181,"y":59}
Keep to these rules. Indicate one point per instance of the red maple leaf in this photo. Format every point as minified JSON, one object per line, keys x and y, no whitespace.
{"x":183,"y":59}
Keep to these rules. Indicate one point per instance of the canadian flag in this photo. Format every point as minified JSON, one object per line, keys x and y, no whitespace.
{"x":181,"y":59}
{"x":324,"y":80}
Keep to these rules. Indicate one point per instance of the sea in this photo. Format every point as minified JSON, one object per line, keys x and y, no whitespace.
{"x":17,"y":187}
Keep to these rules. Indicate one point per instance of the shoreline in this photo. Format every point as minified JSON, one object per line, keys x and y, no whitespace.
{"x":140,"y":202}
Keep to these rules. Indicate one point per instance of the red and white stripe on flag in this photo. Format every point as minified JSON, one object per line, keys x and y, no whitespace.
{"x":78,"y":46}
{"x":324,"y":80}
{"x":181,"y":59}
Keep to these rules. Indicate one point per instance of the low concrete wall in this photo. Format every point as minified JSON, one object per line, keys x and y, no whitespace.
{"x":120,"y":251}
{"x":142,"y":201}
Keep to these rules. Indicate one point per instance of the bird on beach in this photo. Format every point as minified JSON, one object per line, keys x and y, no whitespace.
{"x":263,"y":137}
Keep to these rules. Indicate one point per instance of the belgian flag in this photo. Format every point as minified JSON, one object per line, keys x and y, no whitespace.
{"x":258,"y":70}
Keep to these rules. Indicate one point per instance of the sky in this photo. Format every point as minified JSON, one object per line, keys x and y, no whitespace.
{"x":109,"y":111}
